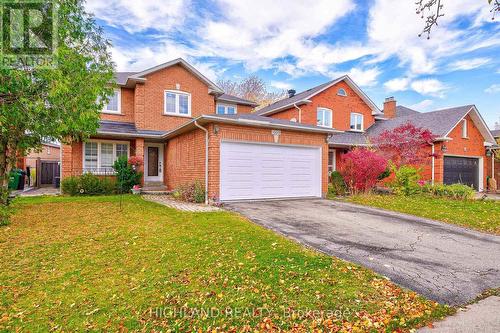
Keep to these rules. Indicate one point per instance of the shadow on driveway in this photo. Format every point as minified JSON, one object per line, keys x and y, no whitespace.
{"x":443,"y":262}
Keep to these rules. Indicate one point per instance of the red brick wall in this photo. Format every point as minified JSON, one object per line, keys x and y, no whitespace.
{"x":185,"y":159}
{"x":241,"y":133}
{"x":127,"y":107}
{"x":54,"y":155}
{"x":341,"y":107}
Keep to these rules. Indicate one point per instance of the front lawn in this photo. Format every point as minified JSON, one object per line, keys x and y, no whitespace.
{"x":483,"y":215}
{"x":82,"y":264}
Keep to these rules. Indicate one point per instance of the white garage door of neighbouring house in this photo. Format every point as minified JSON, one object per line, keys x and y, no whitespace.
{"x":263,"y":171}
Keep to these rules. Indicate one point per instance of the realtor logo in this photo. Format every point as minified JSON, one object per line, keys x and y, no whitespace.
{"x":28,"y":34}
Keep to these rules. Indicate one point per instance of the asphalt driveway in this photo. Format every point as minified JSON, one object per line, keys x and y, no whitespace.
{"x":446,"y":263}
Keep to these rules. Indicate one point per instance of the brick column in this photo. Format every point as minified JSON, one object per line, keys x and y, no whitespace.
{"x":66,"y":161}
{"x":139,"y":152}
{"x":139,"y":101}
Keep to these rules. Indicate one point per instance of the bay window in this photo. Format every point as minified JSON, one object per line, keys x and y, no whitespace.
{"x":99,"y":156}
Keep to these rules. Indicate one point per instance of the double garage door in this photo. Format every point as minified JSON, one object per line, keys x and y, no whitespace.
{"x":264,"y":171}
{"x":463,"y":170}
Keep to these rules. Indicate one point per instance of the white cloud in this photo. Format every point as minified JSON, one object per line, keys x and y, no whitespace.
{"x":468,"y":64}
{"x":281,"y":85}
{"x":364,"y":77}
{"x":397,"y":84}
{"x":422,"y":105}
{"x":135,"y":16}
{"x":493,"y":89}
{"x":431,"y":87}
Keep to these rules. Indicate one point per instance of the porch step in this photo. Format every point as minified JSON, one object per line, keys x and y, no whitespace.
{"x":155,"y":188}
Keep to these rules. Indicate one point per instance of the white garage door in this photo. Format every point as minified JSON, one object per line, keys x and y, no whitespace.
{"x":260,"y":171}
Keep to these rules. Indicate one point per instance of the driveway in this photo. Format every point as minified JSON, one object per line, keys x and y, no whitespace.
{"x":444,"y":262}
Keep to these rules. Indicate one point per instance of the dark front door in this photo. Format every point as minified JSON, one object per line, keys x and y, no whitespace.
{"x":461,"y":170}
{"x":49,"y":171}
{"x":153,"y":161}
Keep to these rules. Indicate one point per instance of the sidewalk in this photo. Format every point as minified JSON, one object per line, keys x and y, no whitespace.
{"x":33,"y":192}
{"x":483,"y":316}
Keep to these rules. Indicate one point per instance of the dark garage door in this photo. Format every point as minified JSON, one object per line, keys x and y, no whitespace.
{"x":461,"y":170}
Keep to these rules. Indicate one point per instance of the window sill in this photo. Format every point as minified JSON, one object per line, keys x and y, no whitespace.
{"x":357,"y":131}
{"x":113,"y":113}
{"x":324,"y":126}
{"x":465,"y":137}
{"x":177,"y":115}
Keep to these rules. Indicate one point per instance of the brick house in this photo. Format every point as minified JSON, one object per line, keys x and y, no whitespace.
{"x":464,"y":144}
{"x":187,"y":129}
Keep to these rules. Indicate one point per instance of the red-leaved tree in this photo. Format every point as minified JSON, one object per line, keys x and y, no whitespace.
{"x":361,"y":168}
{"x":405,"y":145}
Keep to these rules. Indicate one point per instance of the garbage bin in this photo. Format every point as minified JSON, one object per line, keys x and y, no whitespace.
{"x":22,"y":179}
{"x":14,"y":177}
{"x":57,"y":182}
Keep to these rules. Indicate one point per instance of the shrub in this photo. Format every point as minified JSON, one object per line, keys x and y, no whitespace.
{"x":361,"y":168}
{"x":193,"y":192}
{"x":454,"y":191}
{"x":126,"y":173}
{"x":70,"y":185}
{"x":406,"y":180}
{"x":87,"y":184}
{"x":337,"y":184}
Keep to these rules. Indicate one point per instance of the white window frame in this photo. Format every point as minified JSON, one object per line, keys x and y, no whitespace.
{"x":99,"y":154}
{"x":105,"y":110}
{"x":332,"y":167}
{"x":344,"y":94}
{"x":465,"y":132}
{"x":177,"y":104}
{"x":322,"y":109}
{"x":356,"y":115}
{"x":226,"y":106}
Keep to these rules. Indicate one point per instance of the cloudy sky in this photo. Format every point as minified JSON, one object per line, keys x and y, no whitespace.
{"x":300,"y":43}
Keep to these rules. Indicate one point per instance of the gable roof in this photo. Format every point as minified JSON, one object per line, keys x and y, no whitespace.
{"x":124,"y":78}
{"x":402,"y":111}
{"x":303,"y":97}
{"x":234,"y":99}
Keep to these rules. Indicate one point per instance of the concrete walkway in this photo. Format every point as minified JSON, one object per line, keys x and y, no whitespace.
{"x":483,"y":317}
{"x":444,"y":262}
{"x":165,"y":200}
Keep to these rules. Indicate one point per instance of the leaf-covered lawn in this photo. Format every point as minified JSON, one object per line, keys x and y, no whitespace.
{"x":483,"y":215}
{"x":80,"y":264}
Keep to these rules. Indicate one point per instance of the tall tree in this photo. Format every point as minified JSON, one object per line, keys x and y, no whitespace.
{"x":60,"y":102}
{"x":252,"y":88}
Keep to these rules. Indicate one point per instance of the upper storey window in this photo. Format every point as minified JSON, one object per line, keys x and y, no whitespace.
{"x":324,"y":117}
{"x":356,"y":122}
{"x":114,"y":104}
{"x":177,"y":103}
{"x":226,"y":109}
{"x":464,"y":128}
{"x":341,"y":92}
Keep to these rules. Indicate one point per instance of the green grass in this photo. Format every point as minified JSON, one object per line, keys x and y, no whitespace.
{"x":82,"y":264}
{"x":483,"y":215}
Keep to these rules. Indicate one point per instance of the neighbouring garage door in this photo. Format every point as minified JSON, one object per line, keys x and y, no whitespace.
{"x":260,"y":171}
{"x":461,"y":170}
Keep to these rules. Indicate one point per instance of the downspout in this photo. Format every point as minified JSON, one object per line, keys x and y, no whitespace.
{"x":206,"y":159}
{"x":432,"y":172}
{"x":300,"y":112}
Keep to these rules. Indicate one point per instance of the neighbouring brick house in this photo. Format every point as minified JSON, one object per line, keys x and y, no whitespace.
{"x":462,"y":145}
{"x":187,"y":129}
{"x":48,"y":152}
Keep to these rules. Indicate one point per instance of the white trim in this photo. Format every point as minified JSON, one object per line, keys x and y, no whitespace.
{"x":161,"y":149}
{"x":465,"y":131}
{"x":433,"y":164}
{"x":226,"y":106}
{"x":323,"y":109}
{"x":339,"y":94}
{"x":113,"y":142}
{"x":362,"y":122}
{"x":482,"y":122}
{"x":104,"y":110}
{"x":177,"y":103}
{"x":186,"y":65}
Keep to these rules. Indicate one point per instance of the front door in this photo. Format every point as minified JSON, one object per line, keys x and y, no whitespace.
{"x":153,"y":162}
